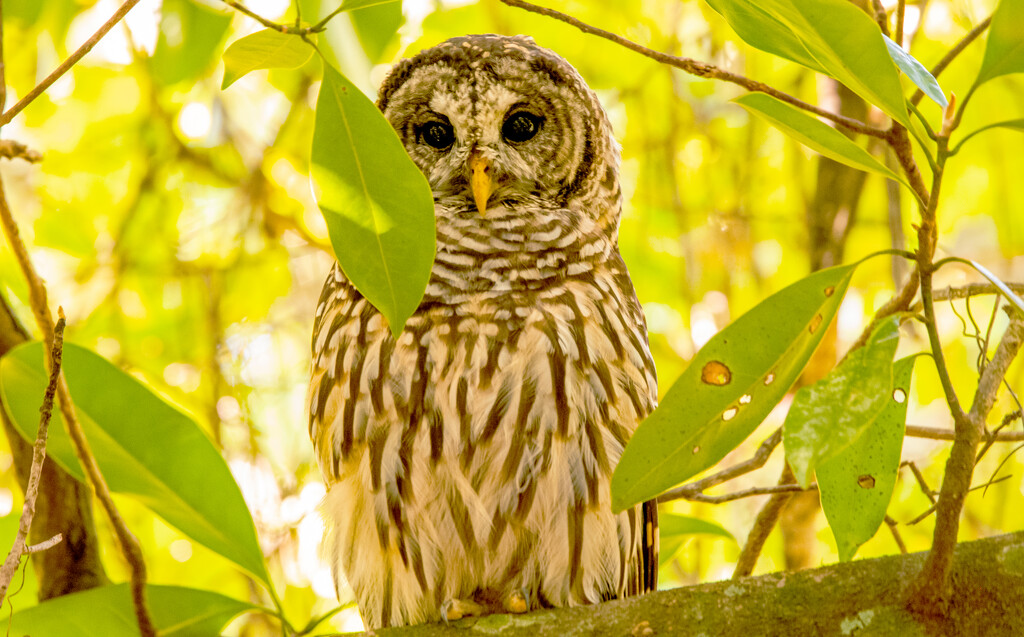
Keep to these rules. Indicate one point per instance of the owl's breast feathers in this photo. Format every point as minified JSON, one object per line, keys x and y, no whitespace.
{"x":476,"y":451}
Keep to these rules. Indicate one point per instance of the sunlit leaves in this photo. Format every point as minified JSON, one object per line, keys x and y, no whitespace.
{"x":376,"y":23}
{"x":674,"y":530}
{"x":916,"y":72}
{"x":857,"y":483}
{"x":144,"y":447}
{"x":829,"y":415}
{"x":729,"y":387}
{"x":832,"y":36}
{"x":1004,"y":53}
{"x":266,"y":49}
{"x":378,"y":206}
{"x":189,"y":41}
{"x":813,"y":133}
{"x":107,"y":611}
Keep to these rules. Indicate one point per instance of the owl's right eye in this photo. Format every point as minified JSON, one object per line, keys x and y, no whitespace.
{"x":437,"y":134}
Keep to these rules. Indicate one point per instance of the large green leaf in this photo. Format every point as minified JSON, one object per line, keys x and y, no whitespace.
{"x":857,"y":483}
{"x":829,"y":36}
{"x":107,"y":611}
{"x":266,"y":49}
{"x":729,"y":387}
{"x":829,"y":415}
{"x":190,"y":37}
{"x":814,"y":134}
{"x":377,"y":204}
{"x":144,"y":447}
{"x":1004,"y":53}
{"x":916,"y":72}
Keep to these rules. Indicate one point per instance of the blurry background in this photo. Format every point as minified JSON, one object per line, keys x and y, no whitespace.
{"x":174,"y":223}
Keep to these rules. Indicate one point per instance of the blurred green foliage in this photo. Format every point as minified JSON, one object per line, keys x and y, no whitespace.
{"x":175,"y":224}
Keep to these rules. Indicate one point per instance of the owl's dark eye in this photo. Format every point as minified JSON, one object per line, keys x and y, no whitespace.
{"x":437,"y":134}
{"x":521,"y":126}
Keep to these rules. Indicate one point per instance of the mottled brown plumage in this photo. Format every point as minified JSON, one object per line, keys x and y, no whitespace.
{"x":469,"y":462}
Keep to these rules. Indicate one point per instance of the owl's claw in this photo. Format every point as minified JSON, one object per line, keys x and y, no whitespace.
{"x":518,"y":601}
{"x":455,"y":609}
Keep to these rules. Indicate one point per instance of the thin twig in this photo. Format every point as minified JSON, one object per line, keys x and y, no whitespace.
{"x":702,"y":69}
{"x":747,"y":493}
{"x":891,"y":523}
{"x":66,"y":65}
{"x":128,"y":543}
{"x":937,"y":433}
{"x":898,"y":303}
{"x":28,"y":511}
{"x":901,"y":11}
{"x":696,"y":488}
{"x":763,"y":526}
{"x":10,"y":149}
{"x":971,"y":36}
{"x":927,"y":490}
{"x":964,"y":291}
{"x":45,"y":545}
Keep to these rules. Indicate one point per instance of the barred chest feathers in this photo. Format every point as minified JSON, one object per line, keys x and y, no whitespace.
{"x":469,"y":460}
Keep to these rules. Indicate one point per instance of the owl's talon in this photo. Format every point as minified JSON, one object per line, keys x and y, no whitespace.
{"x":518,"y":601}
{"x":455,"y":609}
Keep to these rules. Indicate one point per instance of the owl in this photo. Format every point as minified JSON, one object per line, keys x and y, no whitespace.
{"x":469,"y":461}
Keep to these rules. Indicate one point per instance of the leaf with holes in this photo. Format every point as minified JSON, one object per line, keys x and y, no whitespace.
{"x":831,"y":36}
{"x":377,"y":204}
{"x":144,"y":447}
{"x":916,"y":72}
{"x":814,"y":134}
{"x":857,"y":483}
{"x":729,"y":387}
{"x":107,"y":611}
{"x":831,"y":414}
{"x":266,"y":49}
{"x":1004,"y":51}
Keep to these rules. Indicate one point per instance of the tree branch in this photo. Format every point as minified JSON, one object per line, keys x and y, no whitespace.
{"x":66,"y":65}
{"x":702,"y":69}
{"x":28,"y":511}
{"x":763,"y":526}
{"x":692,"y":490}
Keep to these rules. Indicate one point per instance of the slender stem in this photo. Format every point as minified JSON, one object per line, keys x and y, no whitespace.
{"x":936,"y":433}
{"x":28,"y":511}
{"x":971,"y":36}
{"x":702,"y":69}
{"x":758,"y":460}
{"x":763,"y":526}
{"x":66,"y":65}
{"x":901,"y":10}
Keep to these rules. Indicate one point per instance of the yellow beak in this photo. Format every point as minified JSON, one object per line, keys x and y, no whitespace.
{"x":480,"y":180}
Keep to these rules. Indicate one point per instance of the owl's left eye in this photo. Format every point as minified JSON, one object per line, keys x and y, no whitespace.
{"x":437,"y":134}
{"x":521,"y":126}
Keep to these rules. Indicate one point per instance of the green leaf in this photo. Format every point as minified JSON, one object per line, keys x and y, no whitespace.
{"x":829,"y":415}
{"x":729,"y":387}
{"x":266,"y":49}
{"x":916,"y":72}
{"x":376,"y":25}
{"x":107,"y":611}
{"x":377,"y":204}
{"x":190,"y":36}
{"x":1004,"y":52}
{"x":814,"y":134}
{"x":144,"y":447}
{"x":674,"y":530}
{"x":857,"y":483}
{"x":829,"y":36}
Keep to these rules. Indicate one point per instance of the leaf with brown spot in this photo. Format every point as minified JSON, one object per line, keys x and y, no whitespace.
{"x":699,"y":422}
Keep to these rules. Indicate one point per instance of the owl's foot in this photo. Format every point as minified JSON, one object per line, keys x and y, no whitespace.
{"x":517,"y":601}
{"x":454,"y":609}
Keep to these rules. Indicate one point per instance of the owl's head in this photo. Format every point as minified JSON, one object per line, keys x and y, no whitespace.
{"x":504,"y":129}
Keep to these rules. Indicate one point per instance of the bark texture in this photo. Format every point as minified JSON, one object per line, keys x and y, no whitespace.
{"x":864,"y":597}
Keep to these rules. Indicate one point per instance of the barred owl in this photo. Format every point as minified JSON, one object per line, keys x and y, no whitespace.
{"x":469,"y":461}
